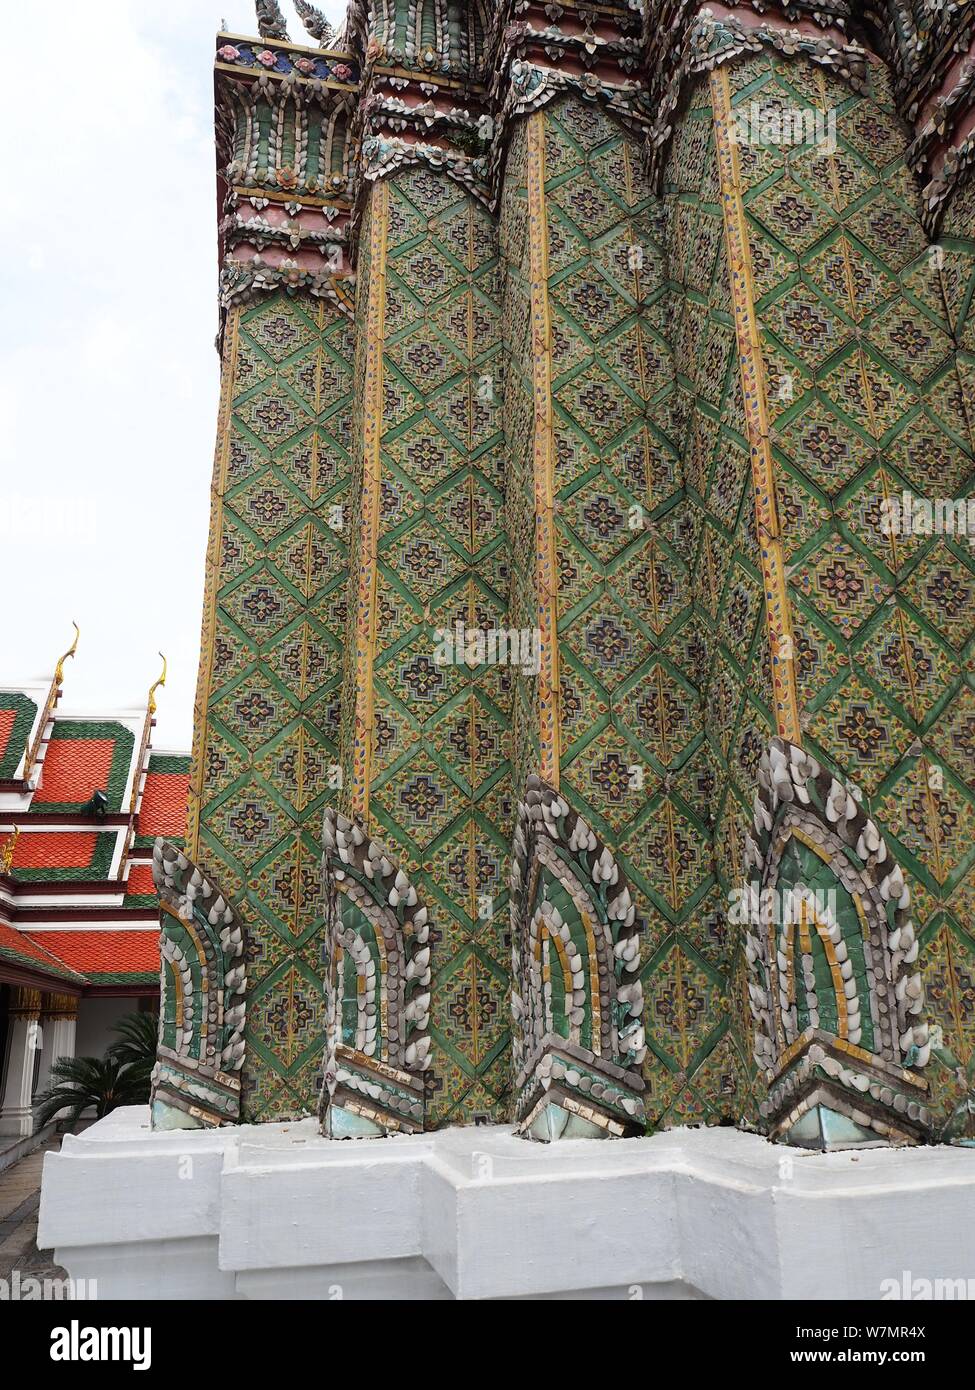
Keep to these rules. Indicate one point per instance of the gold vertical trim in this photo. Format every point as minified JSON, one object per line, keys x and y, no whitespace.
{"x":777,"y":607}
{"x":366,"y":585}
{"x":546,"y":568}
{"x":140,"y":764}
{"x":212,"y":584}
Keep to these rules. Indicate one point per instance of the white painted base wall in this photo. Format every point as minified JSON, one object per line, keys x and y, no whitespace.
{"x":275,"y":1211}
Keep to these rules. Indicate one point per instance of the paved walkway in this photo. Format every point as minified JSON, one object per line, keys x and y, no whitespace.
{"x":20,"y":1198}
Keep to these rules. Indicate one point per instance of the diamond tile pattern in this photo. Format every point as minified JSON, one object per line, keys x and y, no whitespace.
{"x":860,"y":316}
{"x":664,"y":694}
{"x":270,"y":746}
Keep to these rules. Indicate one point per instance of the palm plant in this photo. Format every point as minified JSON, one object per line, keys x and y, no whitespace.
{"x":136,"y":1047}
{"x":89,"y":1083}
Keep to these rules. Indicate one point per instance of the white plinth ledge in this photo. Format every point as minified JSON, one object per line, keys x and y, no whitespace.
{"x":276,"y":1211}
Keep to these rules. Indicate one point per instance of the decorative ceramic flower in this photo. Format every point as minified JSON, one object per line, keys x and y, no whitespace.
{"x":228,"y":53}
{"x":342,"y":71}
{"x":305,"y":65}
{"x":267,"y":59}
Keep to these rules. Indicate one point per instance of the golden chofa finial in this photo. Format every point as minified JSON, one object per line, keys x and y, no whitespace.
{"x":59,"y":668}
{"x":151,"y":709}
{"x":7,"y":851}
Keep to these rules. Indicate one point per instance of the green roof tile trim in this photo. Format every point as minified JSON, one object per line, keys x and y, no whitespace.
{"x":165,"y":763}
{"x":149,"y":900}
{"x":147,"y":842}
{"x":42,"y":967}
{"x":121,"y":760}
{"x":124,"y":977}
{"x":96,"y":871}
{"x":25,"y":711}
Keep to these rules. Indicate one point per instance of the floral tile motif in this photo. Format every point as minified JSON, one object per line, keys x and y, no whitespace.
{"x":909,"y":340}
{"x":858,"y":731}
{"x":279,"y":329}
{"x":842,"y":585}
{"x":932,"y":818}
{"x":870,"y":282}
{"x":825,"y":449}
{"x":953,"y":739}
{"x":261,"y":606}
{"x":274,"y":415}
{"x":790,"y":213}
{"x":942,"y":589}
{"x":680,"y":996}
{"x":671,"y":853}
{"x":905,"y":662}
{"x":806,"y":326}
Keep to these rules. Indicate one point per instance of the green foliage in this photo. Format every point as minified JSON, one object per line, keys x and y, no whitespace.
{"x":136,"y":1046}
{"x":90,"y":1083}
{"x":121,"y":1077}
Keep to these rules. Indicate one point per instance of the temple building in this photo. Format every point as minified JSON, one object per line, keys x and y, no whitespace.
{"x":585,"y":734}
{"x":82,"y":799}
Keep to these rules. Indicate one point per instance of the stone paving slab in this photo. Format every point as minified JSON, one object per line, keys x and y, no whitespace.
{"x":20,"y":1198}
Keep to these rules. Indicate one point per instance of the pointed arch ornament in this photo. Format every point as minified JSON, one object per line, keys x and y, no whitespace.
{"x":577,"y":999}
{"x":196,"y":1079}
{"x":834,"y":990}
{"x":377,"y":971}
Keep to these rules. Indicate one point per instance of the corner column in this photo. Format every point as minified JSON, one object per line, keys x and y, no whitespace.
{"x":17,"y":1114}
{"x":59,"y":1026}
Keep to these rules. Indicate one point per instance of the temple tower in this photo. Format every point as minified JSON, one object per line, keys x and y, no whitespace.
{"x":584,"y":724}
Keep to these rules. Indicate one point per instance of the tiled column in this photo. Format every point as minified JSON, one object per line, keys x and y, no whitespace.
{"x":601,"y":548}
{"x":17,"y":1116}
{"x":829,"y":624}
{"x":427,"y":705}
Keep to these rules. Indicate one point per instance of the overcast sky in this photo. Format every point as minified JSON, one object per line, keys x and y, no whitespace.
{"x":108,"y":373}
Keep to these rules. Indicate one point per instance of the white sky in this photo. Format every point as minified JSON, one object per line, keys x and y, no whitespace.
{"x":108,"y":374}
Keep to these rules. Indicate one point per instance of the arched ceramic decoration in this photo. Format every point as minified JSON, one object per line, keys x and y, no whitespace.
{"x":835,"y":991}
{"x":378,"y":989}
{"x":577,"y":1000}
{"x":196,"y":1080}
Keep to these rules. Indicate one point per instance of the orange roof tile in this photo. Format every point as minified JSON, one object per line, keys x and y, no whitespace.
{"x":105,"y":953}
{"x":73,"y":769}
{"x":163,"y":809}
{"x":19,"y":945}
{"x":57,"y":849}
{"x":140,"y":880}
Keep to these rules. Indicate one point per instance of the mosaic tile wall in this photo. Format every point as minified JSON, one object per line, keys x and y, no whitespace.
{"x":274,"y":631}
{"x":862,"y":381}
{"x":591,"y":330}
{"x":632,"y":753}
{"x":728,"y":622}
{"x":437,"y":792}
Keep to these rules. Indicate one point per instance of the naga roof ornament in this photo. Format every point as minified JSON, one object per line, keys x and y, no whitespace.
{"x":270,"y":20}
{"x":315,"y":22}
